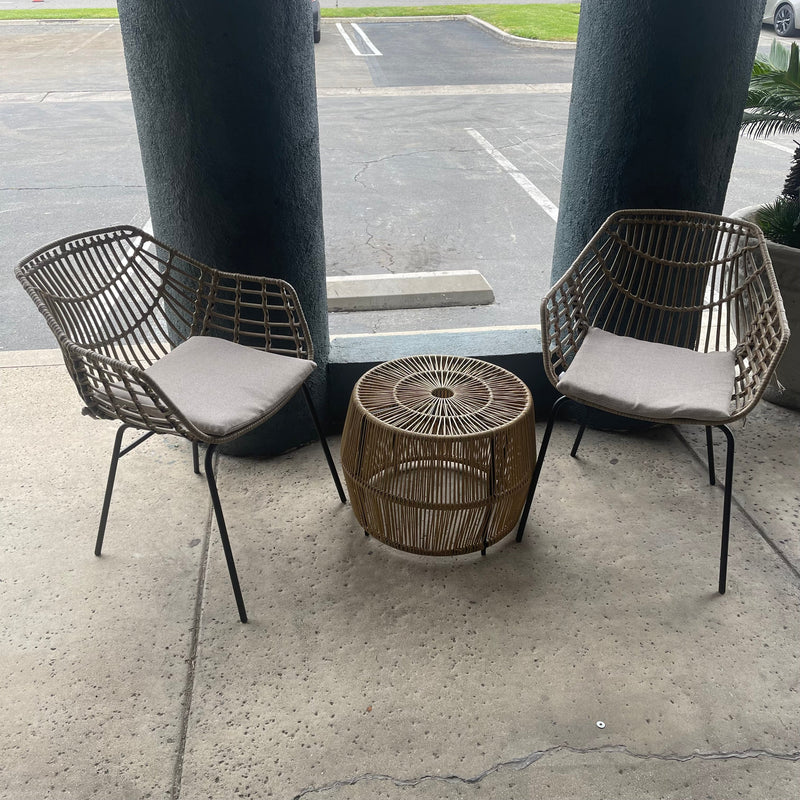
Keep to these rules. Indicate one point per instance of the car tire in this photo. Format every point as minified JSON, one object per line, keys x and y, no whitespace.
{"x":317,"y":36}
{"x":784,"y":20}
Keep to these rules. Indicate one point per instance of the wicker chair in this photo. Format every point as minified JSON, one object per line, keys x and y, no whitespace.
{"x":670,"y":317}
{"x":156,"y":340}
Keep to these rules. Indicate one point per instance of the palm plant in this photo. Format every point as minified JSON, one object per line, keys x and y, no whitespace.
{"x":773,"y":106}
{"x":773,"y":103}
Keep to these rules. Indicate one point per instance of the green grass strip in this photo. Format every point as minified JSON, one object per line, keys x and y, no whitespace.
{"x":61,"y":13}
{"x":550,"y":22}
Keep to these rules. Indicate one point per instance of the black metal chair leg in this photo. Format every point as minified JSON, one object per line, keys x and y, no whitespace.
{"x":112,"y":473}
{"x":712,"y":478}
{"x":576,"y":443}
{"x":196,"y":457}
{"x":223,"y":532}
{"x":324,"y":442}
{"x":116,"y":455}
{"x":538,"y":468}
{"x":726,"y":510}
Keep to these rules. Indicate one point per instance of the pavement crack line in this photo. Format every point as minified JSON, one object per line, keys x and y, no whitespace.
{"x":523,"y":762}
{"x":378,"y":249}
{"x":191,"y":658}
{"x":365,"y":165}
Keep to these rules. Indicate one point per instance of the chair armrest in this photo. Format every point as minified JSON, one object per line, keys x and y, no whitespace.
{"x":112,"y":389}
{"x":564,"y":323}
{"x":252,"y":310}
{"x":758,"y":351}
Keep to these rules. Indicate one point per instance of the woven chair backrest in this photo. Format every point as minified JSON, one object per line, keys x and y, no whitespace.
{"x":102,"y":291}
{"x":123,"y":294}
{"x":681,"y":278}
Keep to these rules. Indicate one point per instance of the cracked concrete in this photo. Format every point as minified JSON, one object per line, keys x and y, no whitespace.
{"x":573,"y":775}
{"x":398,"y":675}
{"x":387,"y":261}
{"x":382,"y":229}
{"x":376,"y":185}
{"x":519,"y":764}
{"x":368,"y":673}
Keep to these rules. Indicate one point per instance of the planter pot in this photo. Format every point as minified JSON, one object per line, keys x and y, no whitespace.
{"x":785,"y":391}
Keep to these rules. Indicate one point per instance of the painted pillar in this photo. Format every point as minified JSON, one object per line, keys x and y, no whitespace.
{"x":225,"y":102}
{"x":657,"y":96}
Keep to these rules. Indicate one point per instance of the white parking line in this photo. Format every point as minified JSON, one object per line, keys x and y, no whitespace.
{"x":351,"y":43}
{"x":533,"y":191}
{"x":89,"y":40}
{"x":347,"y":39}
{"x":366,"y":39}
{"x":777,"y":146}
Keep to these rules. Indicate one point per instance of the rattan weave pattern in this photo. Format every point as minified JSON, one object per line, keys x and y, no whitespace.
{"x":118,"y":300}
{"x":438,"y":453}
{"x":681,"y":278}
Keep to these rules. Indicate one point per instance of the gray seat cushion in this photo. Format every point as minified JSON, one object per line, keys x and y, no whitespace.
{"x":655,"y":381}
{"x":221,"y":387}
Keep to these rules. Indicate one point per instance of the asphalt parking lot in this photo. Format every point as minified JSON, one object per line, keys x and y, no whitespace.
{"x":411,"y":177}
{"x":441,"y":149}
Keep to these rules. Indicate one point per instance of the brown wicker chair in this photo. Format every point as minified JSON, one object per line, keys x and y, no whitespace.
{"x":156,"y":340}
{"x":670,"y":317}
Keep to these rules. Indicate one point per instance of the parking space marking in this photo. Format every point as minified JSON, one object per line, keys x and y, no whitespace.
{"x":533,"y":191}
{"x":529,"y":148}
{"x":357,"y":28}
{"x":351,"y":44}
{"x":777,"y":146}
{"x":90,"y":40}
{"x":349,"y":41}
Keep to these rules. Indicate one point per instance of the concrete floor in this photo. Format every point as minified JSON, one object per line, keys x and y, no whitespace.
{"x":368,"y":673}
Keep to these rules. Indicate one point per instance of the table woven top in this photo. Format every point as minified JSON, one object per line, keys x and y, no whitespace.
{"x":438,"y":395}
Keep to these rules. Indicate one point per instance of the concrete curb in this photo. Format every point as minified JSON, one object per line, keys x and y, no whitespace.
{"x":408,"y":290}
{"x":520,"y":41}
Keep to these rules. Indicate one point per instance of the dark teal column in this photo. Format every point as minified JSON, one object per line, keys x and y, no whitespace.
{"x":224,"y":96}
{"x":657,"y":96}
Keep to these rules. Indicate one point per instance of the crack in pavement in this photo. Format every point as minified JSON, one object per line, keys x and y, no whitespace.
{"x":194,"y":643}
{"x":378,"y":249}
{"x":365,"y":165}
{"x":519,"y":764}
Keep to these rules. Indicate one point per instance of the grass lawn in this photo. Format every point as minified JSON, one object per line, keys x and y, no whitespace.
{"x":555,"y":22}
{"x":61,"y":13}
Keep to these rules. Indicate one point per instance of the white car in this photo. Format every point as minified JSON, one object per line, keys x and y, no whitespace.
{"x":782,"y":14}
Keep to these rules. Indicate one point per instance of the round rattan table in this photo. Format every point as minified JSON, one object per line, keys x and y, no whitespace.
{"x":438,"y":453}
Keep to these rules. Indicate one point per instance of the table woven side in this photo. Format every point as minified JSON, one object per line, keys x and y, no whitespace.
{"x":438,"y":453}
